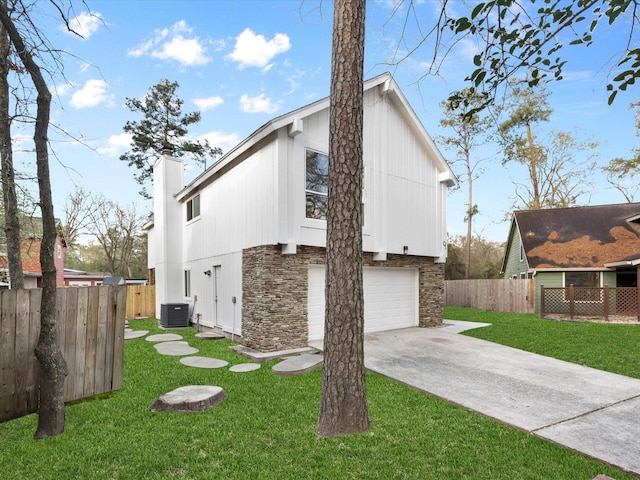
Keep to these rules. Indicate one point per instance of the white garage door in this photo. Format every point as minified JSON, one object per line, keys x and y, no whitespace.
{"x":390,"y":299}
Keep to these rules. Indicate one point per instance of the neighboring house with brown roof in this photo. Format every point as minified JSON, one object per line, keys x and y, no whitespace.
{"x":31,"y":262}
{"x":589,"y":246}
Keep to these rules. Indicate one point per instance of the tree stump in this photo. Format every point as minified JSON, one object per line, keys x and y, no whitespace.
{"x":192,"y":398}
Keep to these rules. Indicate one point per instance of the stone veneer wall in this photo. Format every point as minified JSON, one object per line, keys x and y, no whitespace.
{"x":274,"y":293}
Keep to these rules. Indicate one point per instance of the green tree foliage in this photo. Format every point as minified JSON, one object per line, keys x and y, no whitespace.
{"x":486,"y":258}
{"x":624,"y":173}
{"x":164,"y":128}
{"x":513,"y":37}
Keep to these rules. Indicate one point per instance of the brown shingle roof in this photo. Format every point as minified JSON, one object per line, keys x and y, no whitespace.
{"x":580,"y":236}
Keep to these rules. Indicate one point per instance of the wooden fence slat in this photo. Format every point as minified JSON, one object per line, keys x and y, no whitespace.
{"x":101,"y":346}
{"x":70,"y":298}
{"x":81,"y":342}
{"x":91,"y":345}
{"x":110,"y":332}
{"x":35,"y":301}
{"x":118,"y":344}
{"x":7,"y":358}
{"x":24,"y":357}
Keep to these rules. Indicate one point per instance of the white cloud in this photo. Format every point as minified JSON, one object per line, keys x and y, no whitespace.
{"x":208,"y":103}
{"x":177,"y":43}
{"x":94,"y":92}
{"x":85,"y":24}
{"x":116,"y":144}
{"x":61,"y":90}
{"x":258,"y":104}
{"x":223,"y":140}
{"x":253,"y":50}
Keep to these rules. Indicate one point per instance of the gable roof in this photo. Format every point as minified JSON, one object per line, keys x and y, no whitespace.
{"x":579,"y":237}
{"x":30,"y":252}
{"x":293,"y":120}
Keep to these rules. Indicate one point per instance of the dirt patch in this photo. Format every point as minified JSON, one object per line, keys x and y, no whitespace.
{"x":614,"y":319}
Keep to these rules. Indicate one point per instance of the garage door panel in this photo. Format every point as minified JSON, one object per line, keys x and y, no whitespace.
{"x":390,"y":299}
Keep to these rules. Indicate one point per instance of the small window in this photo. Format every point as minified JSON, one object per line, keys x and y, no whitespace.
{"x":193,"y":208}
{"x":589,"y":283}
{"x":59,"y":250}
{"x":187,"y":283}
{"x":317,"y":184}
{"x":582,"y":279}
{"x":521,"y":253}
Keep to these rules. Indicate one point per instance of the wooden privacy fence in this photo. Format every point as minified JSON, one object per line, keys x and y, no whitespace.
{"x":90,"y":335}
{"x":497,"y":295}
{"x":141,"y":301}
{"x":590,"y":302}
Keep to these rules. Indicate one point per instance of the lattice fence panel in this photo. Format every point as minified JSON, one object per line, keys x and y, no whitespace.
{"x":590,"y":302}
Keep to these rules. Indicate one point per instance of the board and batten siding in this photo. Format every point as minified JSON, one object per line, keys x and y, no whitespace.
{"x":237,"y":210}
{"x":409,"y":185}
{"x":228,"y":285}
{"x":516,"y":261}
{"x":401,"y":184}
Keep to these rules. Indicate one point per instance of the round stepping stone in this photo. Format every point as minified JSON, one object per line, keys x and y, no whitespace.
{"x":203,"y":362}
{"x":209,"y":335}
{"x":244,"y":367}
{"x":164,"y":337}
{"x":135,"y":334}
{"x":192,"y":398}
{"x":298,"y":364}
{"x":175,"y":349}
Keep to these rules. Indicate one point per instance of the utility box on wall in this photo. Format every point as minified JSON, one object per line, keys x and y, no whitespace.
{"x":174,"y":315}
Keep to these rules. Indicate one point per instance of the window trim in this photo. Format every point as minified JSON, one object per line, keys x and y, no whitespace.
{"x":193,"y":207}
{"x":595,"y":299}
{"x":307,"y":191}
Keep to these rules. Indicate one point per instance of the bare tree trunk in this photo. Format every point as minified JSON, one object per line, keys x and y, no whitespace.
{"x":11,"y":212}
{"x":343,"y":408}
{"x":53,"y":368}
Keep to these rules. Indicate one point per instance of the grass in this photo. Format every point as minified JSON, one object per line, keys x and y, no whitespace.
{"x":609,"y":347}
{"x":265,"y":429}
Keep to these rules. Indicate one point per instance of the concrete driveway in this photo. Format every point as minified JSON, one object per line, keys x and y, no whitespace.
{"x":587,"y":410}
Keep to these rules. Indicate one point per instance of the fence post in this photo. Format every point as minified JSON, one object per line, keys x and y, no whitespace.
{"x":541,"y":301}
{"x":606,"y":303}
{"x":638,"y":291}
{"x":571,"y":300}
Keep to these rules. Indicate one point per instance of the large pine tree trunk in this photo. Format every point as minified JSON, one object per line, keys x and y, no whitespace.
{"x":11,"y":213}
{"x":53,"y":368}
{"x":343,"y":408}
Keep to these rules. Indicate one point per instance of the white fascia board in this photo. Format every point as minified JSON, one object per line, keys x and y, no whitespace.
{"x":257,"y":136}
{"x":390,"y":88}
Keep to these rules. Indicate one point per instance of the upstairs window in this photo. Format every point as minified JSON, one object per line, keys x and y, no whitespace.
{"x":193,"y":208}
{"x":317,"y":184}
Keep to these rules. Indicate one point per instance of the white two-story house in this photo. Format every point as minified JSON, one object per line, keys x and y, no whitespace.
{"x":243,"y":243}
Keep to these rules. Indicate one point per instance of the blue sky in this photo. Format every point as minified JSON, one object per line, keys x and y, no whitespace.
{"x":243,"y":62}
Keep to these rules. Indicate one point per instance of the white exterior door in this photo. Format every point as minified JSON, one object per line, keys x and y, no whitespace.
{"x":390,"y":299}
{"x":218,"y":296}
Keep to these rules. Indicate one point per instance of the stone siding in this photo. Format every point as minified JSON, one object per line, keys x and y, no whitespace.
{"x":274,"y":293}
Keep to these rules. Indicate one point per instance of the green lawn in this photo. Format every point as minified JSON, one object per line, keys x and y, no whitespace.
{"x":265,"y":429}
{"x":609,"y":347}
